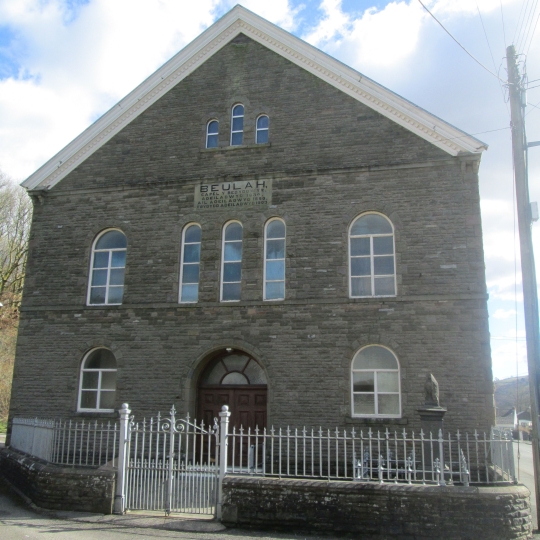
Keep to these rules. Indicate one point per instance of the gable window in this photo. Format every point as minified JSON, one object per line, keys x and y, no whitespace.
{"x":274,"y":260}
{"x":263,"y":125}
{"x":231,"y":263}
{"x":371,"y":257}
{"x":375,"y":383}
{"x":190,"y":265}
{"x":212,"y":134}
{"x":237,"y":125}
{"x":107,"y":269}
{"x":97,"y":387}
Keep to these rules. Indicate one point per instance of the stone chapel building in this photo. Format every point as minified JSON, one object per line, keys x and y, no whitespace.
{"x":258,"y":225}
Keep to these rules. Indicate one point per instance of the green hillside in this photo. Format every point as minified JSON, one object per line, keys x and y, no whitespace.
{"x":508,"y":394}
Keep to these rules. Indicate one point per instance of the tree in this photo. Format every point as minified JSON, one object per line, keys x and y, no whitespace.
{"x":15,"y":218}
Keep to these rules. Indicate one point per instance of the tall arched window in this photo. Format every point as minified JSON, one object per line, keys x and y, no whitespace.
{"x":274,"y":260}
{"x":375,"y":383}
{"x":263,"y":126}
{"x":97,"y":387}
{"x":231,"y":262}
{"x":107,"y":268}
{"x":237,"y":125}
{"x":191,"y":261}
{"x":371,"y":249}
{"x":212,"y":134}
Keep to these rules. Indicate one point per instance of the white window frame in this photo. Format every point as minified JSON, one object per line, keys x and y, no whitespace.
{"x":91,"y":274}
{"x":265,"y":260}
{"x":372,"y":257}
{"x":182,"y":264}
{"x":213,"y":133}
{"x":233,"y":116}
{"x":98,"y":389}
{"x":223,"y":260}
{"x":267,"y":129}
{"x":375,"y":391}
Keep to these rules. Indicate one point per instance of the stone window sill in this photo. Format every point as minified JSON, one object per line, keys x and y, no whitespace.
{"x":239,"y":147}
{"x":375,"y":421}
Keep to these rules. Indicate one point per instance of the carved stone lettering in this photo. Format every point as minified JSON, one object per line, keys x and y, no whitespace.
{"x":233,"y":194}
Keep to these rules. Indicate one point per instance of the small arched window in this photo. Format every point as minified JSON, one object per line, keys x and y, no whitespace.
{"x":263,"y":126}
{"x":237,"y":125}
{"x":371,"y":249}
{"x":375,"y":383}
{"x":231,"y":265}
{"x":190,"y":265}
{"x":212,"y":134}
{"x":97,"y":388}
{"x":274,"y":260}
{"x":107,"y":269}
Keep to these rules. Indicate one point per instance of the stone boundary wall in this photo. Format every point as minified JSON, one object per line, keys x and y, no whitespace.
{"x":376,"y":511}
{"x":59,"y":488}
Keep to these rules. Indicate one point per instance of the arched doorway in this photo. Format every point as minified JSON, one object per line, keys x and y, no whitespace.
{"x":236,"y":379}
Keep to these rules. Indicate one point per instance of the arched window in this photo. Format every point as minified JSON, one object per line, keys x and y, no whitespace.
{"x":235,"y":368}
{"x":263,"y":126}
{"x":375,"y":383}
{"x":212,"y":134}
{"x":371,"y":249}
{"x":97,"y":387}
{"x":274,"y":260}
{"x":107,"y":269}
{"x":191,"y":261}
{"x":237,"y":125}
{"x":231,"y":265}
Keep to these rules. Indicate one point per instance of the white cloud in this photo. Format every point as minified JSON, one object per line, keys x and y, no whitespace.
{"x":279,"y":12}
{"x":504,"y":314}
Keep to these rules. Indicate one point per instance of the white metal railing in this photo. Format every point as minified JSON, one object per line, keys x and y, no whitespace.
{"x":65,"y":442}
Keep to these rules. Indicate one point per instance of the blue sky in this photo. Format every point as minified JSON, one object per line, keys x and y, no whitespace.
{"x":63,"y":63}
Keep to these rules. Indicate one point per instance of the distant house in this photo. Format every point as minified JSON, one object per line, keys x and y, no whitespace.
{"x":507,"y":420}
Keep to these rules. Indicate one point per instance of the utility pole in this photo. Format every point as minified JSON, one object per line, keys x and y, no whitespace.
{"x":530,"y":295}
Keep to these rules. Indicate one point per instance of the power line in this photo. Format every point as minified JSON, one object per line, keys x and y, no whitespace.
{"x":502,"y":19}
{"x":534,"y":31}
{"x":442,"y":26}
{"x":518,"y":23}
{"x":531,"y":87}
{"x":529,"y":24}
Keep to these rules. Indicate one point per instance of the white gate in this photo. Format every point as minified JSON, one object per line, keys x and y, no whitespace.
{"x":171,"y":465}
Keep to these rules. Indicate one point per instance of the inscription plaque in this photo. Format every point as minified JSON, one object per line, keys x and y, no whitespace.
{"x":233,"y":194}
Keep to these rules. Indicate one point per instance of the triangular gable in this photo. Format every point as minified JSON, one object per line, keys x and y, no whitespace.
{"x":240,"y":20}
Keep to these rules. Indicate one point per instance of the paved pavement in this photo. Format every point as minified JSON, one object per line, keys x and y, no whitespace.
{"x":525,"y":472}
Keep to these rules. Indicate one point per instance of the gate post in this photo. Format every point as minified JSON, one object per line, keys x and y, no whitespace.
{"x":120,"y":495}
{"x":223,"y":443}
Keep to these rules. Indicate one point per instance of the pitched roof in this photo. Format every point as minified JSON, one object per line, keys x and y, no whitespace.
{"x":240,"y":20}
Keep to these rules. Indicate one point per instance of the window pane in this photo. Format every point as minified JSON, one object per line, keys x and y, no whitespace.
{"x":192,"y":253}
{"x":383,"y":245}
{"x":212,"y":141}
{"x":97,"y":295}
{"x":383,"y":265}
{"x":100,"y":359}
{"x":388,"y":404}
{"x":262,"y":122}
{"x":193,"y":234}
{"x":233,"y":231}
{"x":232,"y":272}
{"x":375,"y":357}
{"x":234,"y":378}
{"x":371,"y":224}
{"x":360,"y":266}
{"x":360,"y":246}
{"x":88,"y":400}
{"x":106,"y":400}
{"x":112,"y":239}
{"x":231,"y":291}
{"x":115,"y":295}
{"x":215,"y":374}
{"x":213,"y":127}
{"x":238,"y":123}
{"x":387,"y":381}
{"x":117,"y":276}
{"x":237,"y":138}
{"x":364,"y":404}
{"x":190,"y":273}
{"x":118,"y":259}
{"x":101,"y":259}
{"x":275,"y":270}
{"x":275,"y":249}
{"x":255,"y":373}
{"x":364,"y":381}
{"x":238,"y":110}
{"x":236,"y":362}
{"x":361,"y":286}
{"x":190,"y":293}
{"x":275,"y":290}
{"x":90,"y":380}
{"x":384,"y":286}
{"x":99,"y":277}
{"x":262,"y":136}
{"x":233,"y":251}
{"x":108,"y":380}
{"x":275,"y":229}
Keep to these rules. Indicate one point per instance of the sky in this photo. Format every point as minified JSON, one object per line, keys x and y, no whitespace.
{"x":63,"y":63}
